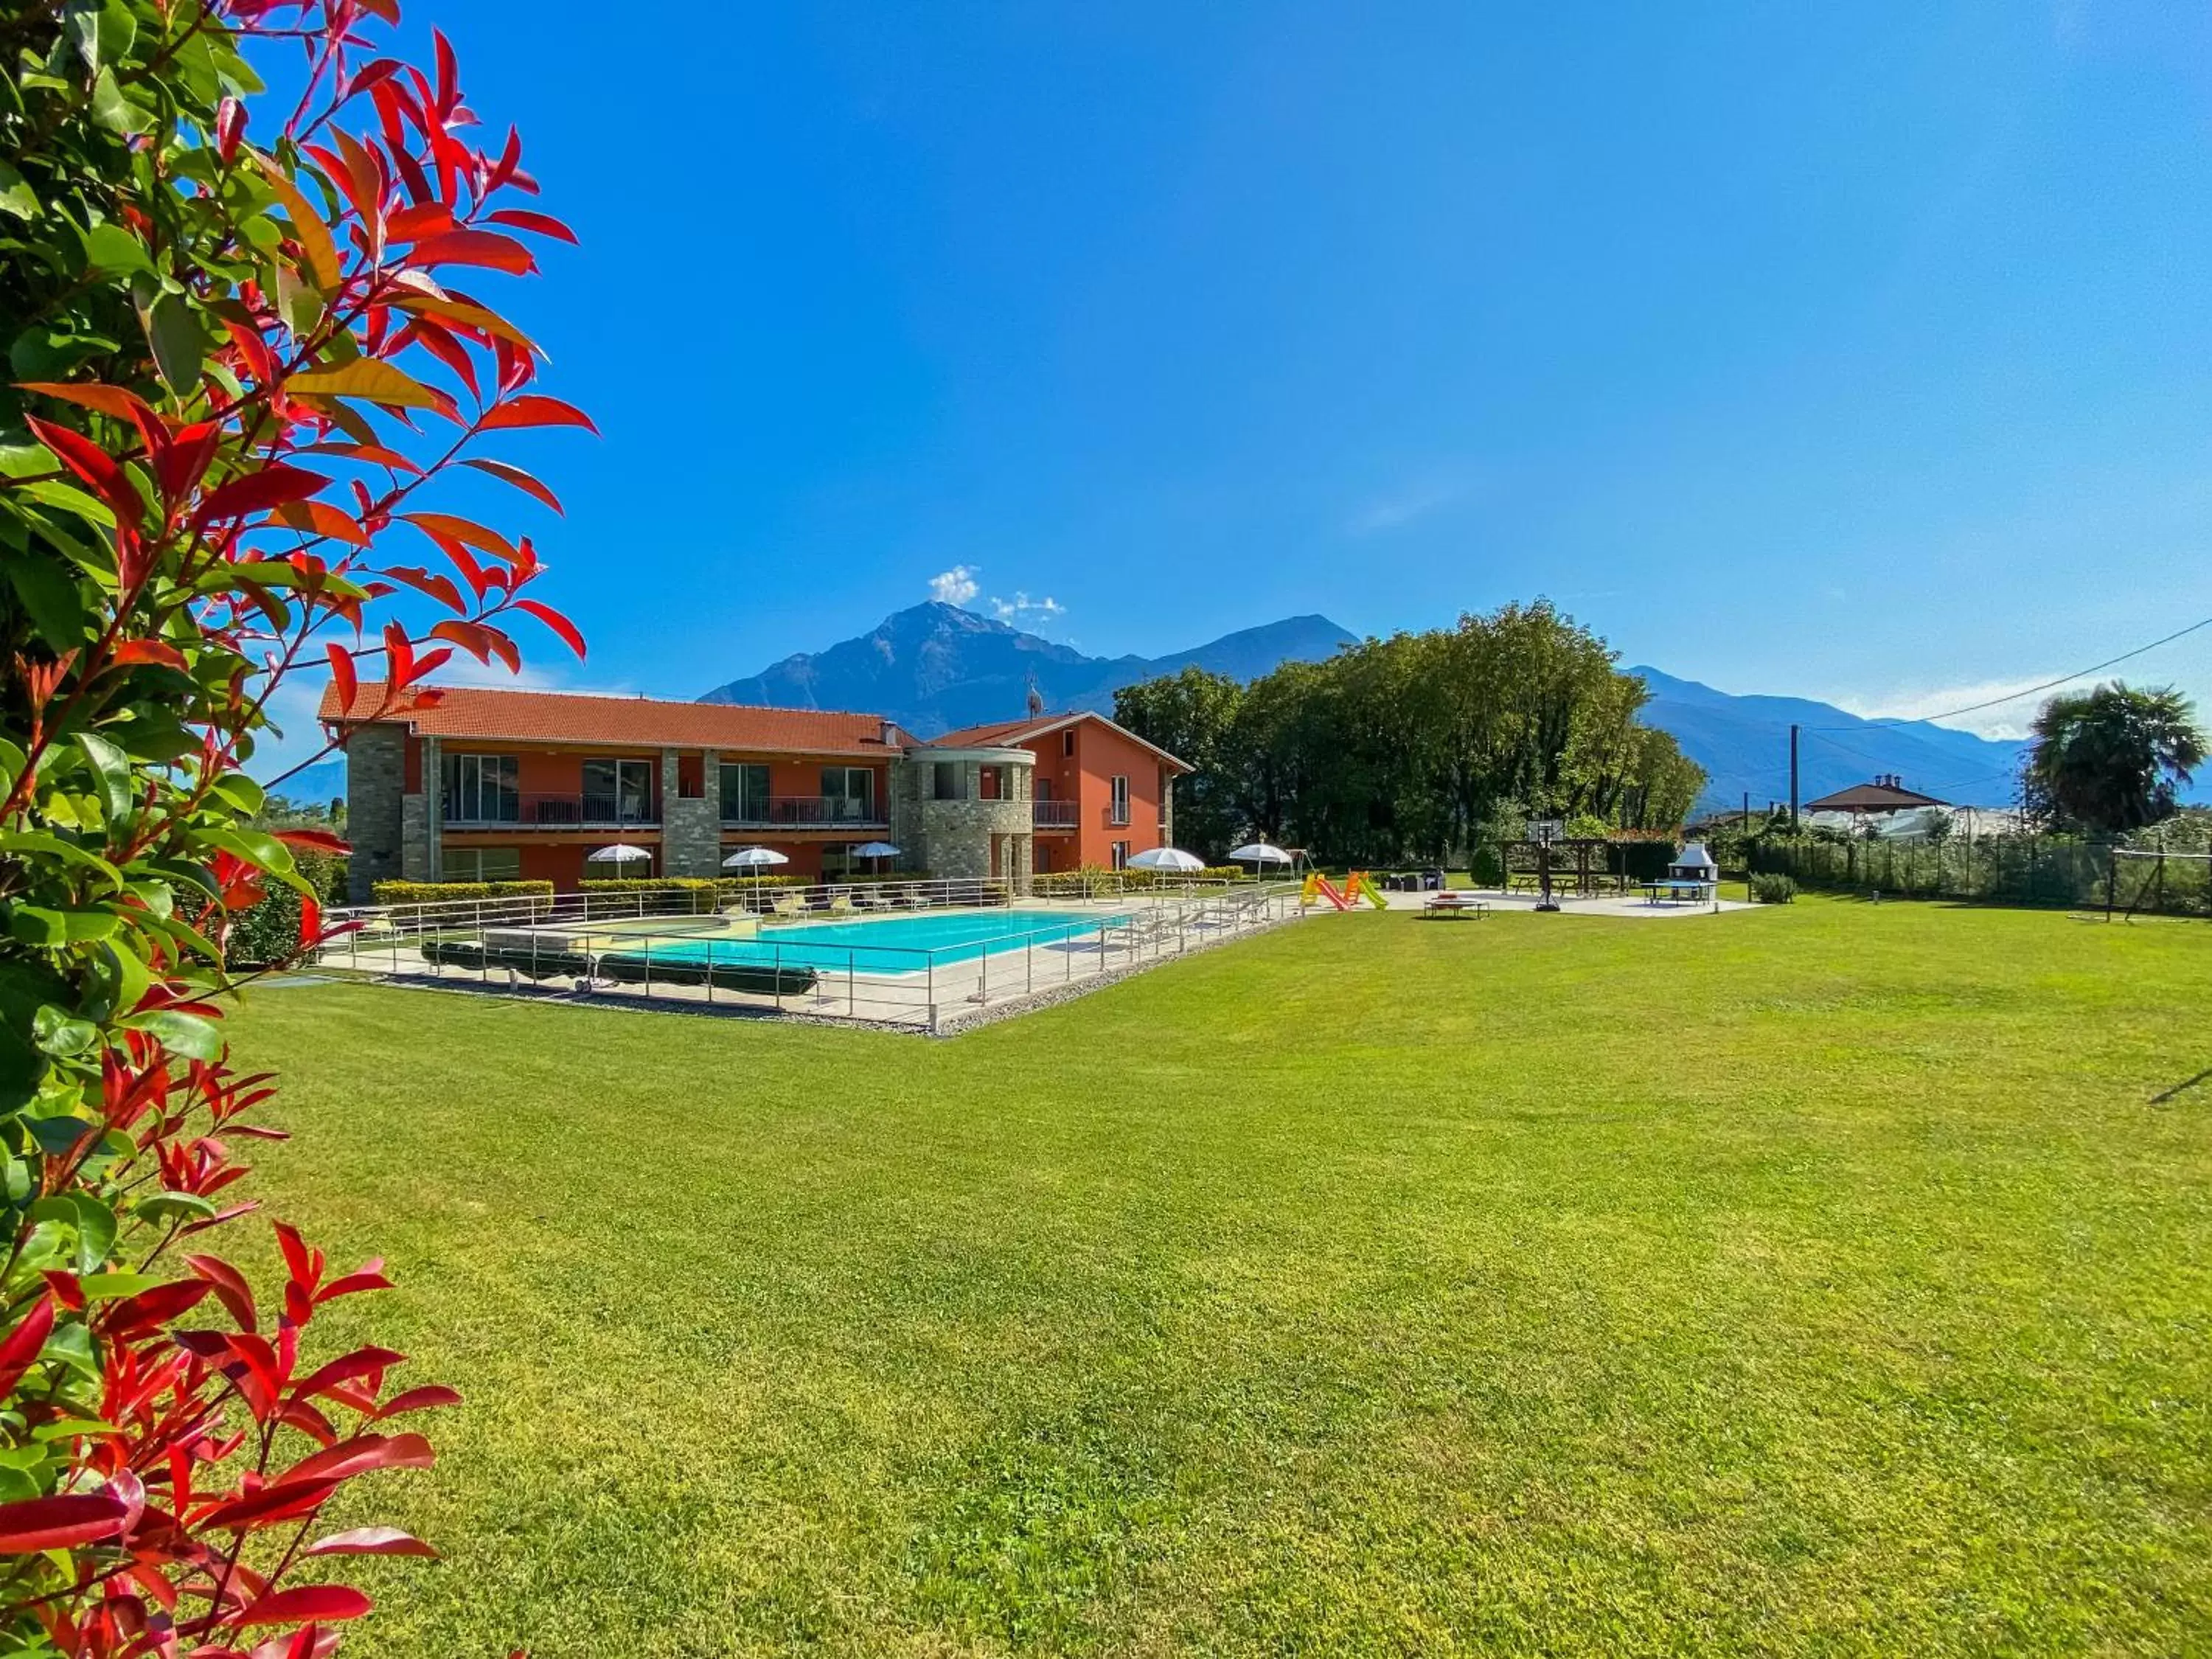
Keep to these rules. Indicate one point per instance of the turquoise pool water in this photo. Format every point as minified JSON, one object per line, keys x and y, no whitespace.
{"x":887,"y":945}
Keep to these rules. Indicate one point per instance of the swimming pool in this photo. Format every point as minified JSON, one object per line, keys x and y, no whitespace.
{"x":887,"y":945}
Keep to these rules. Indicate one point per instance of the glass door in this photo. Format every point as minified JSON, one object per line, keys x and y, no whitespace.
{"x":480,"y":789}
{"x":848,"y":793}
{"x":744,"y":793}
{"x":618,"y":791}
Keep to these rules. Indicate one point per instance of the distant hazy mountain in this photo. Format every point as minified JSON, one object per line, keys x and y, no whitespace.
{"x":318,"y":784}
{"x":934,"y":667}
{"x":1743,"y":744}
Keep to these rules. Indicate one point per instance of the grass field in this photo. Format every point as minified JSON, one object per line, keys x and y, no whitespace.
{"x":1827,"y":1279}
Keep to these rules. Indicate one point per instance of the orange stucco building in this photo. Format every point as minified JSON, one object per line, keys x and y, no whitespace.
{"x":487,"y":786}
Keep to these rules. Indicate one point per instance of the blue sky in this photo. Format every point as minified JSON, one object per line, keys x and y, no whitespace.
{"x":1859,"y":353}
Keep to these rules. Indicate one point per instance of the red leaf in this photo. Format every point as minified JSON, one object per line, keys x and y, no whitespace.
{"x":229,"y":128}
{"x":93,"y":464}
{"x":464,"y":530}
{"x":230,"y":1286}
{"x":554,"y":620}
{"x":534,"y":410}
{"x":137,"y":651}
{"x":250,"y":1511}
{"x":473,"y":247}
{"x":343,"y":677}
{"x":369,"y":1540}
{"x":306,"y":1602}
{"x":418,"y":1399}
{"x":314,"y":840}
{"x":440,"y":588}
{"x":60,"y":1523}
{"x":254,"y":492}
{"x":311,"y":921}
{"x":352,"y":1285}
{"x":520,"y":480}
{"x":361,"y":1362}
{"x":544,"y":223}
{"x":358,"y":1457}
{"x":149,"y":1309}
{"x":321,"y":519}
{"x":66,"y":1289}
{"x":107,"y":399}
{"x":21,"y":1351}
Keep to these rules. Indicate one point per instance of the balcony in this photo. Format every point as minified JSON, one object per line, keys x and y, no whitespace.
{"x":552,"y":811}
{"x":804,"y":812}
{"x":1054,"y":814}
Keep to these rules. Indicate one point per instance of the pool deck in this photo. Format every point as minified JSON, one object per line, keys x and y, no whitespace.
{"x":1632,"y":906}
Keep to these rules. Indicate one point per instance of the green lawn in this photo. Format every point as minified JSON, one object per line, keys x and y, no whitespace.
{"x":1824,"y":1279}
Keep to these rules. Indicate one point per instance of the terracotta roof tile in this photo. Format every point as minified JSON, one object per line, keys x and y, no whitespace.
{"x":1003,"y":733}
{"x":642,"y":722}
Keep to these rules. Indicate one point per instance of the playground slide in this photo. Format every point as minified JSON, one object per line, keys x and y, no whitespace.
{"x":1362,"y":886}
{"x":1318,"y":887}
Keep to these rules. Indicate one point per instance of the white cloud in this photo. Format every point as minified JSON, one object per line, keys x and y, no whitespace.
{"x":1023,"y":608}
{"x":1394,"y":512}
{"x":2007,"y":718}
{"x":957,"y":586}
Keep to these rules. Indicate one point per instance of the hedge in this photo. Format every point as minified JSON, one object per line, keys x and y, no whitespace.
{"x":688,"y":885}
{"x":268,"y":931}
{"x":438,"y":892}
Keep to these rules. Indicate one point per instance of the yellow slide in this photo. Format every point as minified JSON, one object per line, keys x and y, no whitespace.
{"x":1360,"y":886}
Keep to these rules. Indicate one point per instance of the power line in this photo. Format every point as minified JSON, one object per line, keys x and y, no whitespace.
{"x":2015,"y":696}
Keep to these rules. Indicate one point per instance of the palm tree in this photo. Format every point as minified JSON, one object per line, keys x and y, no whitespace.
{"x":2113,"y":759}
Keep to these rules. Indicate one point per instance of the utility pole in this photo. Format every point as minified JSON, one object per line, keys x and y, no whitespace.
{"x":1793,"y":777}
{"x":1747,"y":812}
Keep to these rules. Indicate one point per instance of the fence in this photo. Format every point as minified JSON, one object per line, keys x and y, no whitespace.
{"x":618,"y":945}
{"x":2026,"y":870}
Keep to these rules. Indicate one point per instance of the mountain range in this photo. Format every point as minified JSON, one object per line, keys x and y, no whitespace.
{"x":934,"y":667}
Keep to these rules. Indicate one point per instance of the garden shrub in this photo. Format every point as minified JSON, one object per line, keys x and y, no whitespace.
{"x":222,"y":352}
{"x":1771,"y":887}
{"x":269,"y":932}
{"x":441,"y":892}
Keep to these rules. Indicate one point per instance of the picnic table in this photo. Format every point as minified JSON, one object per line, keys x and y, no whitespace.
{"x":1675,"y":890}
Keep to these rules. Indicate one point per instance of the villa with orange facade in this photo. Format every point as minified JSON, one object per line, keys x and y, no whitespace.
{"x":502,"y":785}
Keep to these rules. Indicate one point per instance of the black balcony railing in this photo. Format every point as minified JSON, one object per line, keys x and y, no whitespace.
{"x":1052,"y":814}
{"x":550,"y":812}
{"x":801,"y":812}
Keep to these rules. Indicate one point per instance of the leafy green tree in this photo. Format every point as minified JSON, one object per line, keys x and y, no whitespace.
{"x":1191,"y":715}
{"x":2112,"y":760}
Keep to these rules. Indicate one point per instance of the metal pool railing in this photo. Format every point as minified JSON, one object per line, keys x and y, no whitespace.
{"x":925,"y":987}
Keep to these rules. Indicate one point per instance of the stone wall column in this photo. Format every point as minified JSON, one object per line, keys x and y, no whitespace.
{"x":376,"y":772}
{"x":690,"y":830}
{"x":419,"y":819}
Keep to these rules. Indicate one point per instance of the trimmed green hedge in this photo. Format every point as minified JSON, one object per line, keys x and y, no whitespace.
{"x":268,"y":931}
{"x":440,"y":892}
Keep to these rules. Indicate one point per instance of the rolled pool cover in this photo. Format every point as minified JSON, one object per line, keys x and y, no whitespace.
{"x":628,"y":969}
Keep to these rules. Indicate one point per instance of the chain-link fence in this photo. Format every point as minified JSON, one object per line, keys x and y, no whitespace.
{"x":2028,"y":870}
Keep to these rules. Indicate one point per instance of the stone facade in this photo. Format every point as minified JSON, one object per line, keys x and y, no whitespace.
{"x":953,"y":837}
{"x":690,"y":830}
{"x":376,"y":779}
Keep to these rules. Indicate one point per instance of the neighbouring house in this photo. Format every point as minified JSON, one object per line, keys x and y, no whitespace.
{"x":500,"y":785}
{"x":1886,"y":793}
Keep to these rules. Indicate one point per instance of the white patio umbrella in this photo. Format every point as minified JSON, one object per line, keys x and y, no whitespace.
{"x":753,"y":858}
{"x":877,"y":850}
{"x":621,"y":853}
{"x":1167,"y":858}
{"x":1259,"y":851}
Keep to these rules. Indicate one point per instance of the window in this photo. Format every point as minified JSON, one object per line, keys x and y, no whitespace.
{"x":484,"y":864}
{"x":848,"y":793}
{"x":945,"y":785}
{"x":744,"y":793}
{"x":1120,"y":855}
{"x":1067,"y":744}
{"x":690,"y":777}
{"x":989,"y":786}
{"x":1121,"y":808}
{"x":618,"y":791}
{"x":838,"y":863}
{"x":1044,"y":788}
{"x":480,"y":789}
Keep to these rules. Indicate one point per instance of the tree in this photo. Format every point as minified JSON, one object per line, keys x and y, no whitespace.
{"x":1191,"y":715}
{"x":238,"y":369}
{"x":2112,"y":760}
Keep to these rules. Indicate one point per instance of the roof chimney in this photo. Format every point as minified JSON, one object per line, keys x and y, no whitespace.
{"x":889,"y":734}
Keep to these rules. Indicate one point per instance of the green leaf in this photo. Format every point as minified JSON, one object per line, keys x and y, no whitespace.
{"x":174,"y":1207}
{"x":56,"y":1031}
{"x":188,"y":1035}
{"x":179,"y":344}
{"x":51,"y":927}
{"x":58,"y":1136}
{"x":112,"y":249}
{"x":109,"y":106}
{"x":69,"y":1427}
{"x":94,"y":1222}
{"x":378,"y":382}
{"x":49,"y":595}
{"x":16,"y":195}
{"x":112,"y":767}
{"x":258,"y":847}
{"x":241,"y":792}
{"x":69,"y":498}
{"x":108,"y":1287}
